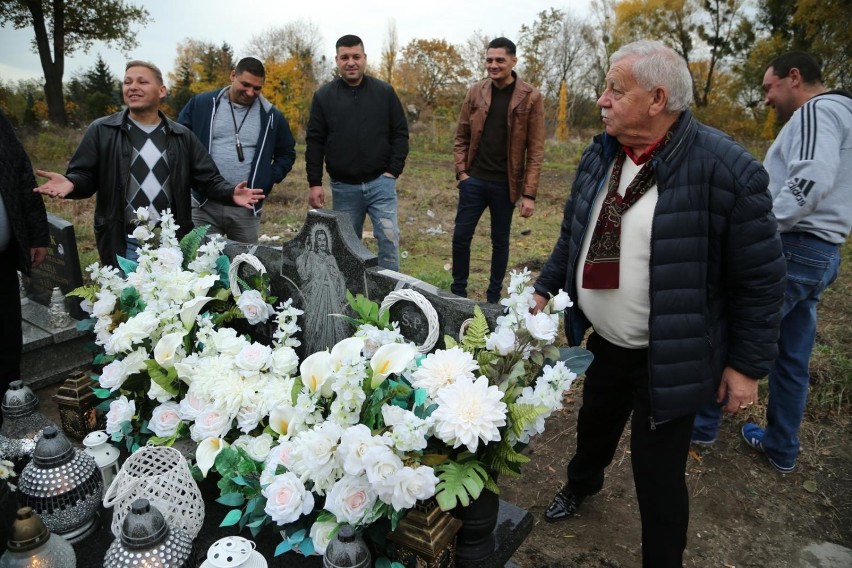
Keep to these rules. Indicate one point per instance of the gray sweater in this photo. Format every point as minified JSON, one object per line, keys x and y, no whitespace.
{"x":810,"y":169}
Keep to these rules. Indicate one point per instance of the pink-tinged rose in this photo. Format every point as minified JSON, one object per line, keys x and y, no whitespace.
{"x":351,"y":499}
{"x":253,"y":357}
{"x":287,"y":499}
{"x":165,"y":419}
{"x":120,"y":410}
{"x":254,"y":308}
{"x":211,"y":423}
{"x":113,"y":376}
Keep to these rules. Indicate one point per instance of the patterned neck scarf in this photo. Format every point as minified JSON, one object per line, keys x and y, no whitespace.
{"x":601,"y":269}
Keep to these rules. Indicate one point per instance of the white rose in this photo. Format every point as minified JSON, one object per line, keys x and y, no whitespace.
{"x":141,"y":233}
{"x":283,"y":361}
{"x":410,"y":485}
{"x":135,"y":330}
{"x":104,"y":305}
{"x":120,"y":410}
{"x":248,"y":417}
{"x":227,"y":342}
{"x":257,"y":447}
{"x":136,"y":361}
{"x":166,"y":351}
{"x":253,"y":357}
{"x":502,"y":341}
{"x":112,"y":376}
{"x":380,"y":462}
{"x":142,"y":214}
{"x":191,"y":406}
{"x":542,"y":326}
{"x":254,"y":308}
{"x":350,"y":499}
{"x":287,"y":499}
{"x":321,"y":535}
{"x":165,"y":419}
{"x":562,"y":301}
{"x":210,"y":423}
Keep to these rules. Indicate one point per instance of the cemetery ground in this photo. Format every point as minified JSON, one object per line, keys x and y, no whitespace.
{"x":742,"y":512}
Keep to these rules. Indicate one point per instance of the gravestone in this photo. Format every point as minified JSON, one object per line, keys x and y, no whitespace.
{"x":60,"y":268}
{"x":324,"y":260}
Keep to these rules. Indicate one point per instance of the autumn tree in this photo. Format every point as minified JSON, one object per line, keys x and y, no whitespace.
{"x":199,"y":66}
{"x":300,"y":40}
{"x":472,"y":52}
{"x":63,"y":27}
{"x":534,"y":42}
{"x":562,"y":113}
{"x":433,"y":73}
{"x":390,"y":51}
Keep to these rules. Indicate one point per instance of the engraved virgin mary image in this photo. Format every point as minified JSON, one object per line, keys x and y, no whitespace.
{"x":324,"y":292}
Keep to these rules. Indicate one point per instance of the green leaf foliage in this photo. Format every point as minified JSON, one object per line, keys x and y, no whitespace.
{"x":474,"y":335}
{"x":576,"y":358}
{"x":232,"y":500}
{"x":503,"y":459}
{"x":131,"y":303}
{"x":127,"y":266}
{"x":522,"y":416}
{"x":164,"y":379}
{"x":368,"y":310}
{"x":88,"y":292}
{"x":459,"y":483}
{"x":232,"y":518}
{"x":190,"y":242}
{"x":223,"y":263}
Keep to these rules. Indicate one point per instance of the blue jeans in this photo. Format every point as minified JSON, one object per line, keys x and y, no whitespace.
{"x":474,"y":196}
{"x":378,"y":199}
{"x":812,"y":265}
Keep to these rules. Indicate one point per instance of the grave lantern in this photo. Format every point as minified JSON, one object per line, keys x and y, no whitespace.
{"x":426,"y":537}
{"x":77,"y":401}
{"x":21,"y":417}
{"x":146,"y":539}
{"x":32,"y":545}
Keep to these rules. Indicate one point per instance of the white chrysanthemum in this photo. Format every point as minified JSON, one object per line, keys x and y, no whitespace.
{"x":408,"y":432}
{"x":443,"y":368}
{"x":469,"y":412}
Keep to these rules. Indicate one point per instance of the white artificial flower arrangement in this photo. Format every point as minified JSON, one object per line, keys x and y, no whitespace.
{"x":356,"y":434}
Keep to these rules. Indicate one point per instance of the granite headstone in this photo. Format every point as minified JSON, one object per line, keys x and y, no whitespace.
{"x":60,"y":268}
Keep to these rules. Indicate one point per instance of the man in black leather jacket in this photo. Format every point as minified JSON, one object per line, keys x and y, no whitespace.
{"x":139,"y":158}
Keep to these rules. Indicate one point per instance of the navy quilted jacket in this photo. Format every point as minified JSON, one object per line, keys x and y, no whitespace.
{"x":717,"y":275}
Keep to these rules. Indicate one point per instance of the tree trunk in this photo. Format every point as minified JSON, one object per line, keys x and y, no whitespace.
{"x":53,"y":68}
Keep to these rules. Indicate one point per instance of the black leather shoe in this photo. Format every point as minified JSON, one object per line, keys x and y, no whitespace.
{"x":564,"y":506}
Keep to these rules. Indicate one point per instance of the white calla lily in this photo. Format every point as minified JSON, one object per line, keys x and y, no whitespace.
{"x":389,"y":359}
{"x":316,"y":370}
{"x":281,"y":419}
{"x":348,"y":349}
{"x":190,"y":310}
{"x":166,"y":351}
{"x":205,"y":454}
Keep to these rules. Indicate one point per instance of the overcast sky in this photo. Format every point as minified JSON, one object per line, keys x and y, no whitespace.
{"x":236,"y":21}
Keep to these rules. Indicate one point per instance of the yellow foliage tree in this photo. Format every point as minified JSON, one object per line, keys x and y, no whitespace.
{"x":562,"y":114}
{"x":289,"y":88}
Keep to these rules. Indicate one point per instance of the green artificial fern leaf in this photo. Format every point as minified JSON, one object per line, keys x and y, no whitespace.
{"x":459,"y":483}
{"x":502,"y":459}
{"x":474,"y":336}
{"x":449,"y":342}
{"x":88,"y":292}
{"x":190,"y":242}
{"x":522,"y":416}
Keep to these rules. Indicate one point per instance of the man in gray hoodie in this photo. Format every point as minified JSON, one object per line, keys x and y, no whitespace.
{"x":810,"y":178}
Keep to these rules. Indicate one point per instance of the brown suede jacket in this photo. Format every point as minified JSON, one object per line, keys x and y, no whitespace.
{"x":526,"y":134}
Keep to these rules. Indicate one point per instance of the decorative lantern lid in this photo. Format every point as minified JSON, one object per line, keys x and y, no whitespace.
{"x":53,"y":449}
{"x":233,"y":552}
{"x":96,"y":446}
{"x":144,"y":526}
{"x":28,"y":531}
{"x":145,"y":532}
{"x":19,"y":400}
{"x":76,"y":389}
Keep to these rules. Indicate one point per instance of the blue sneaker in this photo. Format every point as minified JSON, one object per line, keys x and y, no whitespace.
{"x":753,"y":436}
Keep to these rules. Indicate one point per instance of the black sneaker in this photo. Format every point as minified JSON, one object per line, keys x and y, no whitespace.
{"x":563,"y":506}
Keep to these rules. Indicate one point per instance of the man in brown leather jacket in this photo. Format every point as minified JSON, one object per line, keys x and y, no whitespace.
{"x":498,"y":151}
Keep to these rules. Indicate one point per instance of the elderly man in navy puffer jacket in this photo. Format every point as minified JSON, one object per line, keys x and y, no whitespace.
{"x":670,"y":251}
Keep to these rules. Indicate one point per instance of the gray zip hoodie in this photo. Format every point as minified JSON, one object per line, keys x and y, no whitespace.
{"x":810,"y":169}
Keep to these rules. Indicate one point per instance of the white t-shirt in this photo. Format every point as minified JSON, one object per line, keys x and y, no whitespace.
{"x":621,"y":316}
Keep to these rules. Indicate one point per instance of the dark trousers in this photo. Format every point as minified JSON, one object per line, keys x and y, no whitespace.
{"x":616,"y":385}
{"x":474,"y":196}
{"x":11,"y":336}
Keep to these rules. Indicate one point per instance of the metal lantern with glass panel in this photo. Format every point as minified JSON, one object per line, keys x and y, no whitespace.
{"x":77,"y":401}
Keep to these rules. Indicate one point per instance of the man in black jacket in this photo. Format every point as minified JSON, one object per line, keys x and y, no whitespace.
{"x":358,"y":127}
{"x":24,"y":238}
{"x":670,"y":251}
{"x":138,"y":158}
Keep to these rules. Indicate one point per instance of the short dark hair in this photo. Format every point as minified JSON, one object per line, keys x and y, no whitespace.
{"x":251,"y":65}
{"x":503,"y":42}
{"x":804,"y":62}
{"x":348,"y":40}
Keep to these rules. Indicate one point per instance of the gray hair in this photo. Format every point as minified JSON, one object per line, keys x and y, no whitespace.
{"x":659,"y":65}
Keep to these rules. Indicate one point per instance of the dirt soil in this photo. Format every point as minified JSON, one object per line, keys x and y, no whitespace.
{"x":742,"y":512}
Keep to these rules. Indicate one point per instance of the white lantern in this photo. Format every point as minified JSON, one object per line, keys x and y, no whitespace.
{"x":106,"y":455}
